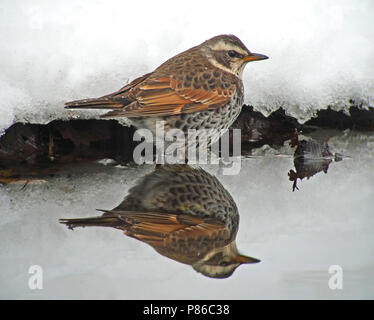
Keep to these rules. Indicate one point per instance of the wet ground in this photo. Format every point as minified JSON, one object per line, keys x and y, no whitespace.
{"x":327,"y":220}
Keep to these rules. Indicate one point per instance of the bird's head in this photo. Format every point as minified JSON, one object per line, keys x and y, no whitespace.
{"x":227,"y":52}
{"x":221,"y":263}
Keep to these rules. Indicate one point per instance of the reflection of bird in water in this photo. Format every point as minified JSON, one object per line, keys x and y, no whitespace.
{"x":184,"y":214}
{"x":310,"y":158}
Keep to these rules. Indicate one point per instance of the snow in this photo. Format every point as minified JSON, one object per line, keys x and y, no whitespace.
{"x":321,"y":52}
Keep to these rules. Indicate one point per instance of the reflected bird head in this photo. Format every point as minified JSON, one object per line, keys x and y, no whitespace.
{"x":222,"y":263}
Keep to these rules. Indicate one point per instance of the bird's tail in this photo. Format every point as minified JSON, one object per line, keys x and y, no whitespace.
{"x":105,"y":102}
{"x":106,"y":220}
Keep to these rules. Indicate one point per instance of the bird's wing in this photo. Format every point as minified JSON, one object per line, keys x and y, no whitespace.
{"x":165,"y":96}
{"x":130,"y":85}
{"x":157,"y":228}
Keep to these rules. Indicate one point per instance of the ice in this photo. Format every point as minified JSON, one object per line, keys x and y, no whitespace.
{"x":321,"y":52}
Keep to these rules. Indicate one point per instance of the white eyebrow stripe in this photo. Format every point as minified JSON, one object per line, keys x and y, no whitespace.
{"x":221,"y":45}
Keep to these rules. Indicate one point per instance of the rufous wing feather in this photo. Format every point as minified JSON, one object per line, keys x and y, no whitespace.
{"x":157,"y":228}
{"x":165,"y":97}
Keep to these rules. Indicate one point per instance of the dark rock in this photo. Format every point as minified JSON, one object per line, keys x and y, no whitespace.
{"x":358,"y":119}
{"x":36,"y":145}
{"x":310,"y":158}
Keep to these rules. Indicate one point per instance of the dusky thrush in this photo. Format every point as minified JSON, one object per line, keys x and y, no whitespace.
{"x":200,"y":88}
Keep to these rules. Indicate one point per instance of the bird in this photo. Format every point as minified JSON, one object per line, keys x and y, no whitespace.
{"x":200,"y":88}
{"x":185,"y":214}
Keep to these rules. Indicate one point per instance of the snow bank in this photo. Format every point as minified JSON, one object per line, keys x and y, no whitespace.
{"x":321,"y":52}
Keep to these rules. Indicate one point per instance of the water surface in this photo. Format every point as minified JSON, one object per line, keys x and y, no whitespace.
{"x":297,"y":235}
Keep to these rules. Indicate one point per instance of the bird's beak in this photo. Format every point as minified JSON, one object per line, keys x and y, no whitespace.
{"x":255,"y":57}
{"x":244,"y":259}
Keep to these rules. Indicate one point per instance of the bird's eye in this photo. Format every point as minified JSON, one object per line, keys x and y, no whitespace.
{"x":233,"y":54}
